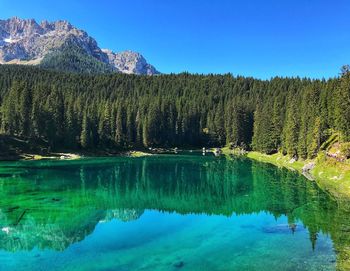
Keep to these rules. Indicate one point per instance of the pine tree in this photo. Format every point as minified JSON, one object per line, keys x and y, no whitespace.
{"x":138,"y":121}
{"x":276,"y":124}
{"x":25,"y":106}
{"x":219,"y":125}
{"x":119,"y":132}
{"x":10,"y":119}
{"x":104,"y":129}
{"x":85,"y":132}
{"x":342,"y":104}
{"x":291,"y":131}
{"x":315,"y":143}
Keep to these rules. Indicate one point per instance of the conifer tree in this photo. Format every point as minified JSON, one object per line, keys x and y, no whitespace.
{"x":291,"y":132}
{"x":85,"y":132}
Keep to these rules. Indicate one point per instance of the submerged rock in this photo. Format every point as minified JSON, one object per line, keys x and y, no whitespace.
{"x":179,"y":264}
{"x":283,"y":228}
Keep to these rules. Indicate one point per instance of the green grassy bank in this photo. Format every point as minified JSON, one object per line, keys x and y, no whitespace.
{"x":331,"y":175}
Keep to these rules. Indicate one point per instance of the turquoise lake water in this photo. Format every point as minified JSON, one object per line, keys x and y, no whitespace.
{"x":167,"y":212}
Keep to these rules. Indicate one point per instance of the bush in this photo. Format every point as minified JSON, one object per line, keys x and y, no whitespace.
{"x":330,"y":141}
{"x":345,"y":149}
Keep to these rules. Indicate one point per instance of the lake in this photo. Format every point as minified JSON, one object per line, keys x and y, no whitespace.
{"x":167,"y":212}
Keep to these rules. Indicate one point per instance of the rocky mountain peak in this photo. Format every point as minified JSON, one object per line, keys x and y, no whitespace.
{"x":18,"y":28}
{"x":130,"y":62}
{"x":24,"y":41}
{"x":60,"y":25}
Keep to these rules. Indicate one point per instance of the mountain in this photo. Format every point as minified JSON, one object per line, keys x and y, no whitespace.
{"x":129,"y":62}
{"x":24,"y":41}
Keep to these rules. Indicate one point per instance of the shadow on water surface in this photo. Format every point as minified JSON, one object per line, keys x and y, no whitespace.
{"x":55,"y":204}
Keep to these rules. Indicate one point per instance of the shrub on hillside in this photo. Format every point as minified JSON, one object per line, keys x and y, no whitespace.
{"x":345,"y":149}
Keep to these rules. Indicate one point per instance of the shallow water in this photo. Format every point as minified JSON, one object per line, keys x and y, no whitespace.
{"x":167,"y":212}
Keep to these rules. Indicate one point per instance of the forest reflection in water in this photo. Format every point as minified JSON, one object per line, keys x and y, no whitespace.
{"x":54,"y":204}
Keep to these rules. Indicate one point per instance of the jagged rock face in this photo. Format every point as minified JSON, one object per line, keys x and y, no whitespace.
{"x":27,"y":42}
{"x":130,"y":62}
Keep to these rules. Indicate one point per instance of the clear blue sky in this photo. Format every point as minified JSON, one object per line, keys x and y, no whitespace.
{"x":246,"y":37}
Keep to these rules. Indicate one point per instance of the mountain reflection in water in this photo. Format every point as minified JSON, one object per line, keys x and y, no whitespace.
{"x":54,"y":204}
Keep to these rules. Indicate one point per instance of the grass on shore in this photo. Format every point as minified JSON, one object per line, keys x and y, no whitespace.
{"x":331,"y":175}
{"x":279,"y":160}
{"x":138,"y":154}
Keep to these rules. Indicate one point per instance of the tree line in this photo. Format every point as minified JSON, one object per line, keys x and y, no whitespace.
{"x":118,"y":111}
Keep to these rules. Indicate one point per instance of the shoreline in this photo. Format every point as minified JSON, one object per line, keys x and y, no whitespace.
{"x":330,"y":175}
{"x":68,"y":155}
